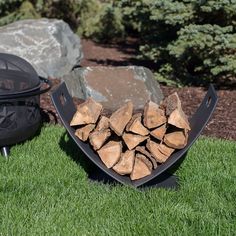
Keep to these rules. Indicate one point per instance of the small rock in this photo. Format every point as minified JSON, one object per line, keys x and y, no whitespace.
{"x":113,"y":86}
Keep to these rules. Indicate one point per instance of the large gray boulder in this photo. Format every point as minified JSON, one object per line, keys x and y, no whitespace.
{"x":48,"y":44}
{"x":113,"y":86}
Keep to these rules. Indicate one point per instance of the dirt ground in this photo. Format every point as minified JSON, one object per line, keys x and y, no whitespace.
{"x":223,"y":122}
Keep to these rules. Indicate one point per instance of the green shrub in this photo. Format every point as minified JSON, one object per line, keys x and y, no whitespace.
{"x":100,"y":20}
{"x":96,"y":19}
{"x":60,"y":9}
{"x":195,"y":40}
{"x":25,"y":11}
{"x":7,"y":6}
{"x":204,"y":50}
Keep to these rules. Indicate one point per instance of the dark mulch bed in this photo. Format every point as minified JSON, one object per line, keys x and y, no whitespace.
{"x":222,"y":124}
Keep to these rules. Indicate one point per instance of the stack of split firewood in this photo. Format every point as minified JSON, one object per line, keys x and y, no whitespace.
{"x":130,"y":144}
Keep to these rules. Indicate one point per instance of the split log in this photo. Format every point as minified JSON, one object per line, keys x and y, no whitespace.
{"x":143,"y":151}
{"x":173,"y":108}
{"x":145,"y":160}
{"x":103,"y":123}
{"x":126,"y":163}
{"x":171,"y":103}
{"x":87,"y":113}
{"x":110,"y":153}
{"x":165,"y":149}
{"x":155,"y":151}
{"x":153,"y":115}
{"x":179,"y":119}
{"x":120,"y":118}
{"x":159,"y":132}
{"x":141,"y":168}
{"x":133,"y":140}
{"x":177,"y":139}
{"x":135,"y":125}
{"x":83,"y":132}
{"x":98,"y":138}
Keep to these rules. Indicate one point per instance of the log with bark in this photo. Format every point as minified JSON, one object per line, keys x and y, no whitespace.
{"x":135,"y":125}
{"x":126,"y":163}
{"x":133,"y":140}
{"x":120,"y":118}
{"x":87,"y":113}
{"x":177,"y":139}
{"x":142,"y":167}
{"x":83,"y":132}
{"x":142,"y":150}
{"x":98,"y":138}
{"x":154,"y":149}
{"x":103,"y":123}
{"x":153,"y":115}
{"x":110,"y":153}
{"x":173,"y":108}
{"x":159,"y":132}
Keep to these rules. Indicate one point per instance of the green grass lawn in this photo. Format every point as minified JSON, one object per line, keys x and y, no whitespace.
{"x":44,"y":190}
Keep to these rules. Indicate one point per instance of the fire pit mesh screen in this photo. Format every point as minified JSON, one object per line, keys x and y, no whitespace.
{"x":16,"y":75}
{"x":65,"y":107}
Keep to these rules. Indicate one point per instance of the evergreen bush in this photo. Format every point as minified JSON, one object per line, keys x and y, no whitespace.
{"x":191,"y":41}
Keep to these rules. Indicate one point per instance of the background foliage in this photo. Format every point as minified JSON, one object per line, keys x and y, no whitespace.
{"x":191,"y":41}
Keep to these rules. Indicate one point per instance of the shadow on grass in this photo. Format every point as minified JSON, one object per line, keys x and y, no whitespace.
{"x":94,"y":173}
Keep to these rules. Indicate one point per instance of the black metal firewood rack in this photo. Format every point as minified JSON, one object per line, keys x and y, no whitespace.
{"x":160,"y":177}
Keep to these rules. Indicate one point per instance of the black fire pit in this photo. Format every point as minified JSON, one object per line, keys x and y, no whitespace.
{"x":20,"y":87}
{"x":160,"y":177}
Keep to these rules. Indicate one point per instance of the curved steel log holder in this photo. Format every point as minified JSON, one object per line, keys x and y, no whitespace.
{"x":160,"y":177}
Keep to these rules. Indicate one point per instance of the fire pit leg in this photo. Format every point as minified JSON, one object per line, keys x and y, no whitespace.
{"x":5,"y":151}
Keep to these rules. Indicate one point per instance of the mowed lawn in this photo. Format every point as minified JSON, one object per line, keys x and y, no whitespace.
{"x":44,"y":190}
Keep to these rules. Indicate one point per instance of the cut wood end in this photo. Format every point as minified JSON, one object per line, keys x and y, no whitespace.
{"x":77,"y":119}
{"x":167,"y":151}
{"x":179,"y":119}
{"x":110,"y":153}
{"x":159,"y":132}
{"x":133,"y":118}
{"x":133,"y":140}
{"x":143,"y":151}
{"x":126,"y":163}
{"x":170,"y":103}
{"x":98,"y":138}
{"x":140,"y":169}
{"x":135,"y":125}
{"x":103,"y":123}
{"x":153,"y":115}
{"x":173,"y":109}
{"x":177,"y":139}
{"x":87,"y":113}
{"x":155,"y":151}
{"x":145,"y":160}
{"x":83,"y":132}
{"x":120,"y":118}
